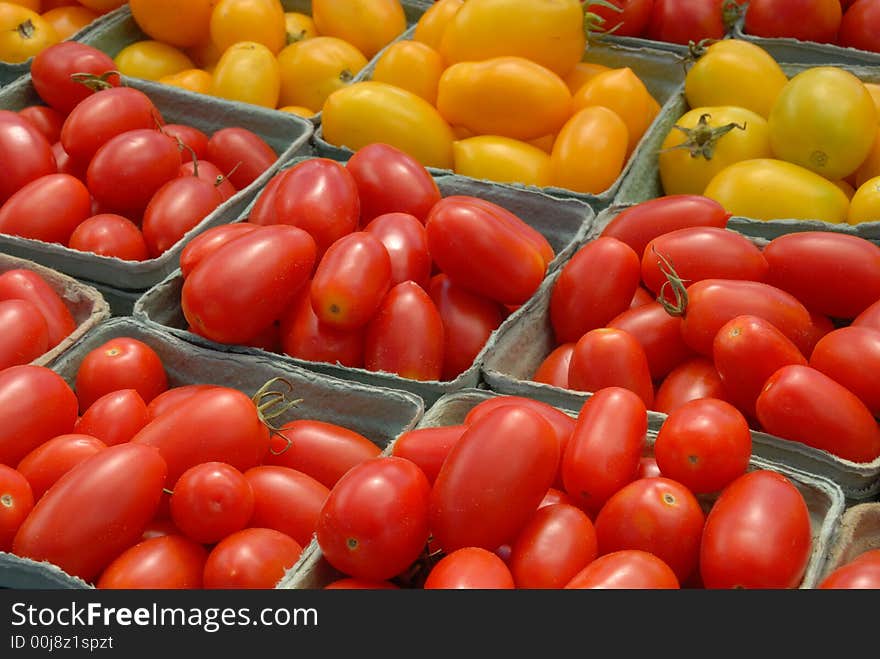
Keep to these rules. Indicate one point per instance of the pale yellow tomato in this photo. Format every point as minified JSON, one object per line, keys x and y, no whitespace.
{"x":299,"y":26}
{"x":151,"y":60}
{"x":590,"y":151}
{"x":248,"y":72}
{"x":298,"y":110}
{"x":411,"y":65}
{"x":501,"y":159}
{"x":865,"y":203}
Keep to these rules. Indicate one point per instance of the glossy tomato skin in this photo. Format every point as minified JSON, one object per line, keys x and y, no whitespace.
{"x":405,"y":336}
{"x":323,"y":450}
{"x":16,"y":502}
{"x":227,"y":147}
{"x":51,"y":70}
{"x":175,"y":208}
{"x":195,"y":141}
{"x":120,"y":363}
{"x":860,"y":26}
{"x":210,"y":501}
{"x":22,"y":390}
{"x":220,"y":296}
{"x":596,"y":285}
{"x":251,"y":558}
{"x":658,"y":333}
{"x":678,"y":22}
{"x":51,"y":460}
{"x":807,"y":21}
{"x":115,"y":417}
{"x":694,"y":378}
{"x":608,"y":357}
{"x":27,"y":153}
{"x":428,"y":447}
{"x":639,"y":224}
{"x":468,"y":321}
{"x":48,"y":208}
{"x":286,"y":500}
{"x":374,"y":523}
{"x":849,"y":355}
{"x":165,"y":562}
{"x":470,"y":568}
{"x":513,"y":221}
{"x":45,"y":119}
{"x":389,"y":180}
{"x":670,"y":523}
{"x":553,"y":369}
{"x":802,"y":404}
{"x":863,"y":571}
{"x":757,"y":534}
{"x":24,"y":331}
{"x":172,"y":396}
{"x":127,"y":479}
{"x":556,"y":543}
{"x":207,"y":170}
{"x":626,"y":569}
{"x":405,"y":240}
{"x":109,"y":234}
{"x":209,"y":241}
{"x":493,"y":479}
{"x":350,"y":583}
{"x":304,"y":336}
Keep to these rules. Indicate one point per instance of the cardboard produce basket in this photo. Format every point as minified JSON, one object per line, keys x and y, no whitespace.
{"x":564,"y":222}
{"x":378,"y":414}
{"x":859,"y":532}
{"x":86,"y":304}
{"x":287,"y":134}
{"x":824,"y":498}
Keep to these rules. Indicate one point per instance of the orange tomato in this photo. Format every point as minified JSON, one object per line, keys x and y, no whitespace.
{"x":411,"y":65}
{"x":260,"y":21}
{"x":590,"y":151}
{"x":180,"y":24}
{"x":33,"y":5}
{"x":581,"y":73}
{"x":299,"y":26}
{"x":102,"y":6}
{"x":194,"y":80}
{"x":369,"y":25}
{"x":312,"y":69}
{"x":298,"y":110}
{"x":23,"y":33}
{"x":67,"y":21}
{"x":205,"y":55}
{"x":46,"y":5}
{"x":432,"y":24}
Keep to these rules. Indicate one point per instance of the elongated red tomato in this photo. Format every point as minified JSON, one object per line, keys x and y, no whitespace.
{"x":851,"y":356}
{"x":52,"y":68}
{"x":48,"y":208}
{"x":24,"y":389}
{"x":304,"y":336}
{"x":351,"y":281}
{"x":626,"y":569}
{"x":757,"y":534}
{"x":831,"y":273}
{"x":175,"y":208}
{"x":553,"y":369}
{"x":323,"y":450}
{"x":658,"y":333}
{"x":165,"y":562}
{"x":470,"y":568}
{"x":194,"y":141}
{"x":493,"y":479}
{"x":26,"y":153}
{"x":861,"y":572}
{"x":219,"y":424}
{"x":604,"y":450}
{"x":126,"y":479}
{"x":374,"y":523}
{"x":640,"y":224}
{"x":24,"y":331}
{"x":405,"y":336}
{"x":209,"y":241}
{"x":241,"y":153}
{"x":251,"y":558}
{"x":870,"y":317}
{"x":608,"y":357}
{"x":47,"y":120}
{"x":428,"y":447}
{"x":406,"y":241}
{"x":242,"y":287}
{"x":51,"y":460}
{"x":16,"y":503}
{"x":802,"y":404}
{"x":481,"y":251}
{"x":171,"y":397}
{"x":692,"y":379}
{"x":596,"y":285}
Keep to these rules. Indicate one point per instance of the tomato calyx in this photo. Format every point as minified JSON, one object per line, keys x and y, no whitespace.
{"x":593,"y":23}
{"x":346,"y":76}
{"x":701,"y":140}
{"x":673,"y":280}
{"x":26,"y":30}
{"x":271,"y":404}
{"x":7,"y":500}
{"x":731,"y":13}
{"x":95,"y":82}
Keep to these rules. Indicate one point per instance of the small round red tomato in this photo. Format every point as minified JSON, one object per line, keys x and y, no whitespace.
{"x":16,"y":502}
{"x":704,"y":444}
{"x":48,"y":208}
{"x":626,"y":569}
{"x":807,"y":20}
{"x":556,"y":543}
{"x":658,"y":515}
{"x":405,"y":336}
{"x":757,"y":534}
{"x":176,"y":208}
{"x":24,"y":332}
{"x":678,"y":21}
{"x":52,"y":68}
{"x":389,"y":180}
{"x":304,"y":336}
{"x":241,"y":153}
{"x":45,"y":119}
{"x":164,"y":562}
{"x":693,"y":379}
{"x":252,"y":558}
{"x":209,"y":241}
{"x":630,"y":21}
{"x":851,"y":356}
{"x":27,"y":155}
{"x":120,"y":363}
{"x":405,"y":240}
{"x":194,"y":141}
{"x":244,"y":286}
{"x":428,"y":447}
{"x":581,"y":299}
{"x":350,"y":583}
{"x":470,"y":568}
{"x":553,"y":369}
{"x":211,"y":501}
{"x":608,"y":357}
{"x":374,"y":523}
{"x":658,"y":333}
{"x":860,"y":26}
{"x":115,"y":417}
{"x":208,"y":171}
{"x":286,"y":500}
{"x":862,"y":572}
{"x":51,"y":460}
{"x":109,"y":234}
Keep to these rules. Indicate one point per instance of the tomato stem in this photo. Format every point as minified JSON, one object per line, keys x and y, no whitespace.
{"x":271,"y":404}
{"x":94,"y":82}
{"x":221,"y":177}
{"x":731,"y":12}
{"x":593,"y":22}
{"x":679,"y":290}
{"x":702,"y":139}
{"x":26,"y":30}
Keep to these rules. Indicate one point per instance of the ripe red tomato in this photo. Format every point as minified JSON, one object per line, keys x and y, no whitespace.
{"x":251,"y":558}
{"x":48,"y":208}
{"x":324,"y":451}
{"x":52,"y":459}
{"x":470,"y":568}
{"x":304,"y":336}
{"x":556,"y":496}
{"x":428,"y":447}
{"x":210,"y":501}
{"x":178,"y":206}
{"x":16,"y":502}
{"x":642,"y":296}
{"x":405,"y":336}
{"x":350,"y":583}
{"x":24,"y":389}
{"x":512,"y":220}
{"x":406,"y":241}
{"x":52,"y":68}
{"x":807,"y":20}
{"x":757,"y":534}
{"x":631,"y":21}
{"x":120,"y":363}
{"x":870,"y":317}
{"x":860,"y":26}
{"x":659,"y":334}
{"x":286,"y":500}
{"x":648,"y":467}
{"x":704,"y":444}
{"x":263,"y":209}
{"x":26,"y":153}
{"x":554,"y":545}
{"x":244,"y":286}
{"x":553,"y":369}
{"x":194,"y":141}
{"x":374,"y":523}
{"x":641,"y":223}
{"x":802,"y":404}
{"x":863,"y":571}
{"x":604,"y":450}
{"x":851,"y":356}
{"x":678,"y":21}
{"x":24,"y":332}
{"x":66,"y":165}
{"x":608,"y":357}
{"x":171,"y":397}
{"x":164,"y":563}
{"x":693,"y":379}
{"x":658,"y":515}
{"x":207,"y":170}
{"x":210,"y":240}
{"x":109,"y":234}
{"x":582,"y":301}
{"x":127,"y":479}
{"x":746,"y":351}
{"x":389,"y":180}
{"x":45,"y":119}
{"x":626,"y":569}
{"x":241,"y":153}
{"x":493,"y":479}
